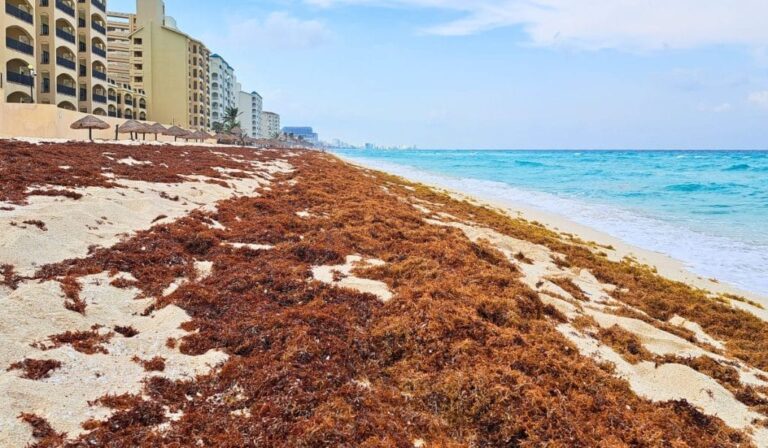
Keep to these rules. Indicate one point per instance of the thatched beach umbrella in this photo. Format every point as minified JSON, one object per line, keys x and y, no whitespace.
{"x":237,"y":130}
{"x":131,"y":126}
{"x":176,"y":132}
{"x":157,"y":128}
{"x":89,"y":122}
{"x":194,"y":135}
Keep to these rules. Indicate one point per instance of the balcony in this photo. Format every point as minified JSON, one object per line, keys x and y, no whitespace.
{"x":66,"y":90}
{"x":99,"y":75}
{"x":65,"y":8}
{"x":64,"y":62}
{"x":99,"y":5}
{"x":99,"y":52}
{"x":19,"y":13}
{"x":128,"y":102}
{"x":112,"y":98}
{"x":65,"y":35}
{"x":99,"y":28}
{"x":99,"y":99}
{"x":19,"y":46}
{"x":18,"y":78}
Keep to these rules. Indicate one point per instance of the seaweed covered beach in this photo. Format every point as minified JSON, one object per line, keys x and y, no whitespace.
{"x":226,"y":297}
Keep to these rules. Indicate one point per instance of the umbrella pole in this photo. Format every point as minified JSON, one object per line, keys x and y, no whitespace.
{"x":90,"y":134}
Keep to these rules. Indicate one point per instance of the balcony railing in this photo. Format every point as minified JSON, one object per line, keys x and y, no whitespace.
{"x":99,"y":99}
{"x":64,"y":62}
{"x":66,"y":8}
{"x":66,"y":90}
{"x":46,"y":58}
{"x":100,"y":5}
{"x":112,"y":114}
{"x":19,"y":46}
{"x":19,"y":13}
{"x":98,"y":28}
{"x":99,"y":75}
{"x":98,"y":51}
{"x":142,"y":106}
{"x":128,"y":102}
{"x":112,"y":97}
{"x":65,"y":35}
{"x":19,"y":78}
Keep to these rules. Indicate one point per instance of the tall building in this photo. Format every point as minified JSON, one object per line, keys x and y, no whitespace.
{"x":224,"y":91}
{"x":170,"y":67}
{"x":55,"y":52}
{"x":250,"y":105}
{"x":302,"y":132}
{"x":270,"y":125}
{"x":17,"y":41}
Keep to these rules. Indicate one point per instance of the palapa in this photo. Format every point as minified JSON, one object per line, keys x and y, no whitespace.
{"x":89,"y":122}
{"x":131,"y":126}
{"x":157,"y":128}
{"x":176,"y":132}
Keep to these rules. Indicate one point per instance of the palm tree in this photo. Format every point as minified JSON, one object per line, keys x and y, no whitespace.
{"x":218,"y":127}
{"x":231,"y":121}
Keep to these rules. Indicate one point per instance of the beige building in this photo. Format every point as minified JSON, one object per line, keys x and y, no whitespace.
{"x":270,"y":125}
{"x":54,"y":52}
{"x":17,"y":55}
{"x":170,"y":67}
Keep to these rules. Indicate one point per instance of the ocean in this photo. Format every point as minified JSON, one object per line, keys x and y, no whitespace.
{"x":708,"y":209}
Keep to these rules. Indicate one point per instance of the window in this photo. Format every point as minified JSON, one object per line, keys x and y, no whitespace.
{"x":137,"y":41}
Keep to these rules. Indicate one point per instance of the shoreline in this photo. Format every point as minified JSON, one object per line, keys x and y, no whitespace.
{"x":666,"y":265}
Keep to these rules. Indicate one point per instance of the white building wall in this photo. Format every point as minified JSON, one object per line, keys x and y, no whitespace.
{"x":223,"y":88}
{"x":250,"y":105}
{"x":270,"y":124}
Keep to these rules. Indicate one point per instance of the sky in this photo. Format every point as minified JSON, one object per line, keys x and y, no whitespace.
{"x":500,"y":74}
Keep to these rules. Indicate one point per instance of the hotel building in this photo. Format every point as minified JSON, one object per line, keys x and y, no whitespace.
{"x":55,"y":52}
{"x":224,"y":92}
{"x":250,"y":105}
{"x":170,"y":67}
{"x":270,"y":125}
{"x":17,"y":34}
{"x":302,"y":132}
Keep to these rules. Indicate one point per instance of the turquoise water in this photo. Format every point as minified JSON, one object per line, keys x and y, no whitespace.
{"x":708,"y":209}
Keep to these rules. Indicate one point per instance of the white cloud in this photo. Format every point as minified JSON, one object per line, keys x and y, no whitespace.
{"x":596,"y":24}
{"x":278,"y":30}
{"x":759,"y":98}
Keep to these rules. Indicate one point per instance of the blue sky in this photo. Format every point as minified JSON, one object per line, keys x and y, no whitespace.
{"x":532,"y":74}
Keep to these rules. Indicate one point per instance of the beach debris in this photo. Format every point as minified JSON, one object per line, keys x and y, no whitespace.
{"x":341,"y":276}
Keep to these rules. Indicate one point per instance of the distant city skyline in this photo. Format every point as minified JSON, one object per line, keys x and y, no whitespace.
{"x":679,"y":74}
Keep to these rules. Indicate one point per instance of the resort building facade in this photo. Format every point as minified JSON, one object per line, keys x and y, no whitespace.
{"x":55,"y":52}
{"x":250,"y":105}
{"x":168,"y":66}
{"x":224,"y":91}
{"x":270,"y":125}
{"x":17,"y":41}
{"x":77,"y":55}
